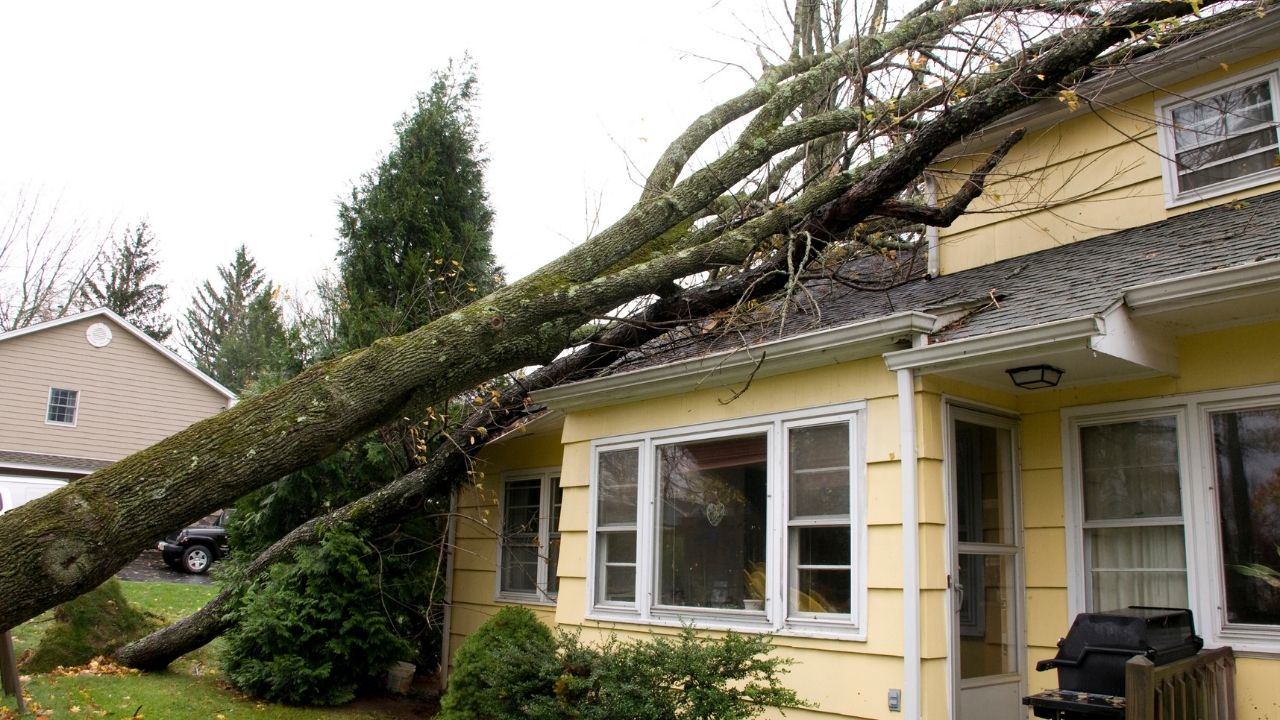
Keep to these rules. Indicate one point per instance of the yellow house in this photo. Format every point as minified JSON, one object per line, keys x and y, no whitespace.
{"x":1070,"y":403}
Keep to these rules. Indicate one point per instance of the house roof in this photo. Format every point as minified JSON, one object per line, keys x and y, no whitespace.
{"x":1049,"y":292}
{"x":12,"y":459}
{"x":132,"y":330}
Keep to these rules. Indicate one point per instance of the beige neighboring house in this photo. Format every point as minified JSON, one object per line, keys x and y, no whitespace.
{"x":80,"y":392}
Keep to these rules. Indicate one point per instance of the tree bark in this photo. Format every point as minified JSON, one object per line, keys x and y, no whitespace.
{"x":69,"y":541}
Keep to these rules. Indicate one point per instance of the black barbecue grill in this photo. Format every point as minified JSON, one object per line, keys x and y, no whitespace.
{"x":1091,"y":658}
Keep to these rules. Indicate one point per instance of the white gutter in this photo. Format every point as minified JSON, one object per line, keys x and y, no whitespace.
{"x":984,"y":349}
{"x":840,"y":344}
{"x":1202,"y":288}
{"x":911,"y":655}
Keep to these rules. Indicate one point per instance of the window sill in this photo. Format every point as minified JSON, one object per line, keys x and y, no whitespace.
{"x":1241,"y":184}
{"x":525,"y":600}
{"x":807,"y":629}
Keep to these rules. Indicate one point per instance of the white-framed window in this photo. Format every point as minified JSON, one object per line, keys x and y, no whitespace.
{"x":1176,"y":502}
{"x":1225,"y":137}
{"x":62,"y":406}
{"x":529,"y":540}
{"x":754,"y":523}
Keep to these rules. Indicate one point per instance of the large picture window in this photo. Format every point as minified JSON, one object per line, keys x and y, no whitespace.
{"x":1222,"y":140}
{"x":1147,"y":476}
{"x":754,"y":522}
{"x":530,"y":538}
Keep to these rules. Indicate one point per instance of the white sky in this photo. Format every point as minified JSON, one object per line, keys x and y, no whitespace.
{"x":239,"y":122}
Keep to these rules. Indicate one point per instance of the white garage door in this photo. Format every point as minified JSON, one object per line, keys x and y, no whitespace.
{"x":16,"y":490}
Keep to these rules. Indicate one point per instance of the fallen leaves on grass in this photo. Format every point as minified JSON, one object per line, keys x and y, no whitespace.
{"x":100,"y":666}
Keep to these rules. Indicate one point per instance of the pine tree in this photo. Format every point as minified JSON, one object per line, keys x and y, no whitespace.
{"x":415,"y":237}
{"x":121,"y":283}
{"x":235,"y":332}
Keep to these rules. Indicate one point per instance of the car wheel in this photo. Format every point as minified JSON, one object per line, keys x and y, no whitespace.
{"x":196,"y":559}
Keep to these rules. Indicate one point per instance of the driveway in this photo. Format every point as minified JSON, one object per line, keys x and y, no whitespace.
{"x":148,"y":567}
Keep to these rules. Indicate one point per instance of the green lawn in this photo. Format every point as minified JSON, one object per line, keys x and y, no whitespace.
{"x":190,"y":688}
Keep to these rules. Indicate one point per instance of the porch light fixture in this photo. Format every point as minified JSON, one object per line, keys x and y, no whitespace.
{"x":1035,"y":377}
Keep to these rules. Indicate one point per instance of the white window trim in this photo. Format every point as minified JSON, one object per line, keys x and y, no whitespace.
{"x":1168,"y":151}
{"x":75,"y":415}
{"x":1206,"y":589}
{"x":546,"y":499}
{"x":775,"y":618}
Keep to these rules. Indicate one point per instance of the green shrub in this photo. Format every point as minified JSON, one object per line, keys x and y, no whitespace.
{"x":664,"y":678}
{"x":307,"y":634}
{"x":511,"y":668}
{"x":93,"y":624}
{"x":501,"y":668}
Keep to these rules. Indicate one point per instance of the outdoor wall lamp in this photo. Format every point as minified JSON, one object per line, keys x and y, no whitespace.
{"x":1034,"y":377}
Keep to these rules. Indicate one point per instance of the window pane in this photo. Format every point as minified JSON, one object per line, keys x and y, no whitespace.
{"x":620,"y":584}
{"x":1222,"y":115}
{"x":1131,"y":469}
{"x":822,"y":545}
{"x":819,"y":461}
{"x":520,"y":568}
{"x":553,"y":566}
{"x":987,"y":619}
{"x":617,"y":475}
{"x":520,"y":511}
{"x":1246,"y":448}
{"x":823,"y":591}
{"x":616,"y":558}
{"x":1137,"y":566}
{"x":984,"y":462}
{"x":712,"y":520}
{"x":62,"y":406}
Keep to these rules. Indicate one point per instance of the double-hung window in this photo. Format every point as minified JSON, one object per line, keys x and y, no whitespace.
{"x":754,"y":522}
{"x":62,"y":406}
{"x":1223,"y":139}
{"x":1176,"y":503}
{"x":530,"y":537}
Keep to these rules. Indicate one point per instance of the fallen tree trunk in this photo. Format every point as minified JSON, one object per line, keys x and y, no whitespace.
{"x":69,"y":541}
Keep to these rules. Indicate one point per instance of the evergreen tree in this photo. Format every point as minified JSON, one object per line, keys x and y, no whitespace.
{"x":235,"y":332}
{"x":415,"y":237}
{"x":121,"y":283}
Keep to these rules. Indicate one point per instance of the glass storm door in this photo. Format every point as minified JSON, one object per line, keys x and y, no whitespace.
{"x":987,"y":647}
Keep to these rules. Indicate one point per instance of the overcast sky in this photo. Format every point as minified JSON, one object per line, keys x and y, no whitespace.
{"x":237,"y":122}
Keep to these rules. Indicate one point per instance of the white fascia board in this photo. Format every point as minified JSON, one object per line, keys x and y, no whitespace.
{"x":134,"y":331}
{"x":984,"y":349}
{"x":1204,"y":288}
{"x":848,"y":342}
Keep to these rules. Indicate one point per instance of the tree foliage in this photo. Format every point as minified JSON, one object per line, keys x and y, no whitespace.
{"x":234,"y":329}
{"x":123,"y":284}
{"x":307,"y":635}
{"x":415,"y":235}
{"x":903,"y":91}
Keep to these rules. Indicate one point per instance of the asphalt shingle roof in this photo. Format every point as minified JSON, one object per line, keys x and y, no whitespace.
{"x":1064,"y":282}
{"x":13,"y":457}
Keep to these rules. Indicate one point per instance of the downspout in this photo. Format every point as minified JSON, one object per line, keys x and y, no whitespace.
{"x":910,"y":546}
{"x":451,"y":533}
{"x":930,"y":231}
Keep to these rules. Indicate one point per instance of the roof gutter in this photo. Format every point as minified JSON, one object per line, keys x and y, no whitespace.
{"x":840,"y":344}
{"x":984,"y":349}
{"x":1204,"y":288}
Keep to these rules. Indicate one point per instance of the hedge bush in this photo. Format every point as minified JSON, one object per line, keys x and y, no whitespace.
{"x":512,"y":668}
{"x":307,"y":635}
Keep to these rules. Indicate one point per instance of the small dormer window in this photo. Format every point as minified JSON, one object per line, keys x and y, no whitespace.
{"x":1221,"y":140}
{"x":62,"y":406}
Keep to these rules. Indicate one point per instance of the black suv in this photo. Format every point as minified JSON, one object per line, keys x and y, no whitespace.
{"x":195,"y":548}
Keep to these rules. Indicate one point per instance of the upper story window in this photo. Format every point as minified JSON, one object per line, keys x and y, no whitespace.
{"x":530,"y":540}
{"x":62,"y":406}
{"x":755,"y":523}
{"x":1223,"y":139}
